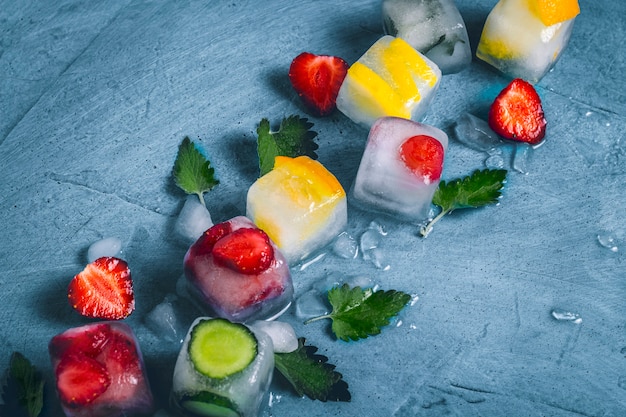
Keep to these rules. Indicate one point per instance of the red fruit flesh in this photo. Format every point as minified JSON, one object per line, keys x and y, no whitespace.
{"x":80,"y":379}
{"x":317,"y":79}
{"x":517,"y":114}
{"x":204,"y":245}
{"x":104,"y":289}
{"x":245,"y":250}
{"x":89,"y":341}
{"x":423,"y":155}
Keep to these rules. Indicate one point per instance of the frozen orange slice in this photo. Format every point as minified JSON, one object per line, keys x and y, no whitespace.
{"x":555,"y":11}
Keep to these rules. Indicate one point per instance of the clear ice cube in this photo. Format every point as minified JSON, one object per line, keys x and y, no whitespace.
{"x":433,"y":27}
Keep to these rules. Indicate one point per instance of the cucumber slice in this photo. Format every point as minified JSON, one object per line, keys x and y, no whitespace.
{"x":208,"y":404}
{"x":219,"y":348}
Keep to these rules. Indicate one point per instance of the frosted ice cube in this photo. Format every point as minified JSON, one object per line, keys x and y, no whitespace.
{"x":229,"y":293}
{"x":300,"y":205}
{"x":433,"y":27}
{"x":109,"y":246}
{"x":241,"y":392}
{"x":282,"y":334}
{"x":390,"y":79}
{"x":112,"y":348}
{"x":517,"y":42}
{"x":193,"y":220}
{"x":383,"y":182}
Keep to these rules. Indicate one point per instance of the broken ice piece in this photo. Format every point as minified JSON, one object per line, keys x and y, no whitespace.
{"x":222,"y":369}
{"x":99,"y":371}
{"x":300,"y":205}
{"x":390,"y":79}
{"x":525,"y":38}
{"x":107,"y":247}
{"x":236,"y":271}
{"x":433,"y":27}
{"x":475,"y":133}
{"x":282,"y":334}
{"x":400,"y":168}
{"x":193,"y":219}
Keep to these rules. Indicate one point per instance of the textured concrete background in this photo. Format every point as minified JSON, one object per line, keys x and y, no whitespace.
{"x":95,"y":98}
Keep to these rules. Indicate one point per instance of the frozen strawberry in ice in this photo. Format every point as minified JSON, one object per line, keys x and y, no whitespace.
{"x":400,"y":168}
{"x":238,"y":273}
{"x":99,"y":371}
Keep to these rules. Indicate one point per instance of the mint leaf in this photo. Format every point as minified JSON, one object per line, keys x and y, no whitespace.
{"x":24,"y":387}
{"x":360,"y":313}
{"x":479,"y":189}
{"x":310,"y":374}
{"x":192,"y":171}
{"x":293,"y":138}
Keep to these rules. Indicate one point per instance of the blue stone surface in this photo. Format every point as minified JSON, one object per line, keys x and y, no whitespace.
{"x":95,"y":98}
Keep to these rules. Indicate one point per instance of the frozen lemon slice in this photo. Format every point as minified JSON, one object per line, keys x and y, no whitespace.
{"x":552,"y":12}
{"x":299,"y":204}
{"x":390,"y":79}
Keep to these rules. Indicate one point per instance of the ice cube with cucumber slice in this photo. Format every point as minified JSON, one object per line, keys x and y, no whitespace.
{"x":223,"y":369}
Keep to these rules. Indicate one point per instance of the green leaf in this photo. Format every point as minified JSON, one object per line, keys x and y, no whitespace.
{"x":479,"y":189}
{"x":293,"y":138}
{"x":360,"y":313}
{"x":25,"y":384}
{"x":192,"y":171}
{"x":310,"y":374}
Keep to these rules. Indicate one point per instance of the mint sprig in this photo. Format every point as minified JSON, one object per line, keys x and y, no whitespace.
{"x":310,"y":374}
{"x":359,"y":313}
{"x":192,"y":171}
{"x":24,"y":388}
{"x":293,"y":138}
{"x":479,"y":189}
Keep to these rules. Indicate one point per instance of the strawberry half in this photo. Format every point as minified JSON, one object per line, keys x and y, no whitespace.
{"x":89,"y":341}
{"x":317,"y":79}
{"x":104,"y":290}
{"x":517,"y":114}
{"x":245,"y":250}
{"x":423,"y":155}
{"x":80,"y":379}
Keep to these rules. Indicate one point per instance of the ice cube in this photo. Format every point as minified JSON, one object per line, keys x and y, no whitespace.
{"x":385,"y":183}
{"x":107,"y":247}
{"x":300,"y":205}
{"x":224,"y":286}
{"x":433,"y":27}
{"x":229,"y":285}
{"x":237,"y":394}
{"x":193,"y":220}
{"x":108,"y":356}
{"x":476,"y":133}
{"x":390,"y":79}
{"x":282,"y":334}
{"x":525,"y":38}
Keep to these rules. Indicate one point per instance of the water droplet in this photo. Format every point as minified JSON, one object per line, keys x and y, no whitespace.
{"x":494,"y":162}
{"x":370,"y":239}
{"x":345,"y":246}
{"x":520,"y":159}
{"x":414,"y":299}
{"x":607,"y":241}
{"x":563,"y":315}
{"x":374,"y":225}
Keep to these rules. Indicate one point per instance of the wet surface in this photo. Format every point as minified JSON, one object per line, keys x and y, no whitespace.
{"x":520,"y":307}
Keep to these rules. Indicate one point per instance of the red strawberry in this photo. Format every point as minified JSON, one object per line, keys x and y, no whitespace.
{"x":205,"y":243}
{"x":80,"y":379}
{"x":245,"y":250}
{"x":516,"y":113}
{"x":104,"y":289}
{"x":317,"y":79}
{"x":423,"y":155}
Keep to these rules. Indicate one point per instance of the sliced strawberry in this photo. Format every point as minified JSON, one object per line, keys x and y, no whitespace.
{"x":245,"y":250}
{"x":517,"y":114}
{"x":80,"y":379}
{"x":204,"y":245}
{"x":104,"y":289}
{"x":317,"y":79}
{"x":423,"y":155}
{"x":88,"y":340}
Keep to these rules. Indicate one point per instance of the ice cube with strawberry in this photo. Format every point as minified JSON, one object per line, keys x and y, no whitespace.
{"x":99,"y":371}
{"x":238,"y":273}
{"x":400,"y":168}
